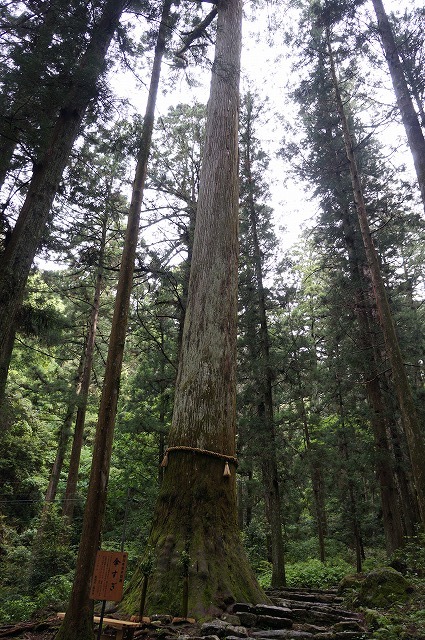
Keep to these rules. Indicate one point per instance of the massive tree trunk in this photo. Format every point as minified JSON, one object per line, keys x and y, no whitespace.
{"x":410,"y":119}
{"x":400,"y":380}
{"x":196,"y":513}
{"x":16,"y":261}
{"x":78,"y":622}
{"x":83,"y":392}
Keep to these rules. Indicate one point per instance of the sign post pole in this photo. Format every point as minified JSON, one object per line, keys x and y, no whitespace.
{"x":102,"y":615}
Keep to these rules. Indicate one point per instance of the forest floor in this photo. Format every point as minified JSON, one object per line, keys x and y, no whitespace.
{"x":298,"y":614}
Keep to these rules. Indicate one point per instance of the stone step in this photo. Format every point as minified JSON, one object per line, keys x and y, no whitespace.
{"x":305,"y":596}
{"x":317,"y":606}
{"x":285,"y":634}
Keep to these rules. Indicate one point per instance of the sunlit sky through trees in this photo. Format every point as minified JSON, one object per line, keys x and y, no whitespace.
{"x":272,"y":69}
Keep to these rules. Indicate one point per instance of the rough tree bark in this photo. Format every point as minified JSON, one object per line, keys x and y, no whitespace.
{"x":16,"y":260}
{"x":400,"y":380}
{"x":196,"y":512}
{"x":414,"y":133}
{"x":406,"y":490}
{"x":78,"y":622}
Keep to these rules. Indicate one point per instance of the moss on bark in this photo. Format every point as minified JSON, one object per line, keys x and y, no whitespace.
{"x":192,"y":516}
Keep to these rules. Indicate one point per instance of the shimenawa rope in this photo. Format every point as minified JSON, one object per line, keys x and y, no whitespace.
{"x":205,"y":452}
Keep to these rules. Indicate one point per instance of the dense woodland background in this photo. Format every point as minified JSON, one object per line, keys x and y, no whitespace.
{"x":317,"y":389}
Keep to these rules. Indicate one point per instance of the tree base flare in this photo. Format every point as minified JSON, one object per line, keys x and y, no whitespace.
{"x":195,"y":524}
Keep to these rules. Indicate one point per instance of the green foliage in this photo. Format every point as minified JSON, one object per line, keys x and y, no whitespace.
{"x":16,"y":608}
{"x":14,"y":564}
{"x":52,"y":555}
{"x":54,"y":593}
{"x":22,"y":450}
{"x":313,"y":574}
{"x":35,"y":568}
{"x":411,"y":558}
{"x":389,"y":632}
{"x":310,"y":574}
{"x":255,"y":542}
{"x":264,"y":571}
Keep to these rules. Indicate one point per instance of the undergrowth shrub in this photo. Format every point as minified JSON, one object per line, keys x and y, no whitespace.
{"x":263,"y":571}
{"x":54,"y":593}
{"x":15,"y":608}
{"x":410,"y":558}
{"x":311,"y":574}
{"x":52,"y":555}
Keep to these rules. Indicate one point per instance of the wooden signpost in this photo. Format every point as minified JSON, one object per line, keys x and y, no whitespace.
{"x":108,"y":579}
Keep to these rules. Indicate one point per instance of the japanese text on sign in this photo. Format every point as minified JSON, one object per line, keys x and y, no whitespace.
{"x":108,"y":576}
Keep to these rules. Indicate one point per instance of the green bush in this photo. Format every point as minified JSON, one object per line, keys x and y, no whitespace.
{"x":16,"y":609}
{"x":411,"y":557}
{"x":263,"y":571}
{"x":52,"y":555}
{"x":54,"y":593}
{"x":255,"y":543}
{"x":313,"y":574}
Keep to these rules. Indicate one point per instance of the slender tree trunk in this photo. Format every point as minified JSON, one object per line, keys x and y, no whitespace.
{"x":65,"y":432}
{"x":64,"y":436}
{"x":83,"y":395}
{"x":400,"y":380}
{"x":316,"y":475}
{"x":78,"y":621}
{"x":391,"y":512}
{"x":16,"y":260}
{"x":6,"y":348}
{"x":315,"y":466}
{"x":352,"y":502}
{"x":410,"y":119}
{"x":265,"y":412}
{"x":196,"y":512}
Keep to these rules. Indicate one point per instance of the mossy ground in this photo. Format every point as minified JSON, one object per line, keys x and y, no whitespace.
{"x":393,"y":611}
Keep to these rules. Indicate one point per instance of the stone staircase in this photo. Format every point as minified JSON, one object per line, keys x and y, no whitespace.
{"x":300,"y":614}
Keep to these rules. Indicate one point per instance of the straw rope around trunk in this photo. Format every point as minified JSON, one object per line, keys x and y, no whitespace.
{"x":205,"y":452}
